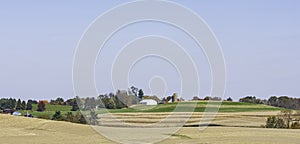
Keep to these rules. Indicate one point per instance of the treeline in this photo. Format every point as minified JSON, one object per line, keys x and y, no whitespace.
{"x":285,"y":102}
{"x":70,"y":102}
{"x":282,"y":101}
{"x":10,"y":103}
{"x":13,"y":104}
{"x":122,"y":99}
{"x":253,"y":99}
{"x":69,"y":117}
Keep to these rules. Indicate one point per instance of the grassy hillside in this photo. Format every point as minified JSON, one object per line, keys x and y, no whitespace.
{"x":201,"y":105}
{"x":50,"y":110}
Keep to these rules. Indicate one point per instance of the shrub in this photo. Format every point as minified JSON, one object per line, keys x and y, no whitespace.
{"x":57,"y":116}
{"x":295,"y":125}
{"x":271,"y":122}
{"x":80,"y":119}
{"x":41,"y":106}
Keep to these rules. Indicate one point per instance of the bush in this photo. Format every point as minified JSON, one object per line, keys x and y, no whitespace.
{"x":271,"y":122}
{"x":295,"y":125}
{"x":69,"y":117}
{"x":80,"y":119}
{"x":275,"y":122}
{"x":57,"y":116}
{"x":283,"y":120}
{"x":41,"y":106}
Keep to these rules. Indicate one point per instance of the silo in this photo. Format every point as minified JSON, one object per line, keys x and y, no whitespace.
{"x":174,"y":97}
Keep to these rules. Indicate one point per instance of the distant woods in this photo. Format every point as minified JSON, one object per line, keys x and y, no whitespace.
{"x":285,"y":102}
{"x":10,"y":103}
{"x":285,"y":119}
{"x":124,"y":99}
{"x":13,"y":104}
{"x":282,"y":101}
{"x":121,"y":99}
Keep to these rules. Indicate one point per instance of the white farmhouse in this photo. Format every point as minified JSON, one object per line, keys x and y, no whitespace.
{"x":148,"y":102}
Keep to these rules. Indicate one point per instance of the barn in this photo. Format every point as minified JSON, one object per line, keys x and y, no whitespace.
{"x":148,"y":102}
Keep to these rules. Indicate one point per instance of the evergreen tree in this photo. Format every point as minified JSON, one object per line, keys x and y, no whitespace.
{"x":229,"y":99}
{"x":74,"y":105}
{"x":57,"y":116}
{"x":141,"y":94}
{"x":23,"y":105}
{"x":18,"y":107}
{"x":29,"y":106}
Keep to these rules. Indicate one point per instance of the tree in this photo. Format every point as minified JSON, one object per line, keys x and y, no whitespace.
{"x":23,"y":105}
{"x":169,"y":98}
{"x":282,"y":120}
{"x":207,"y":98}
{"x":119,"y":103}
{"x":229,"y":99}
{"x":280,"y":123}
{"x":11,"y":103}
{"x":271,"y":122}
{"x":104,"y":101}
{"x":57,"y":116}
{"x":41,"y":106}
{"x":134,"y":90}
{"x":60,"y":101}
{"x":141,"y":94}
{"x":111,"y":104}
{"x":18,"y":107}
{"x":29,"y":106}
{"x":287,"y":117}
{"x":69,"y":117}
{"x":74,"y":105}
{"x":81,"y":118}
{"x":32,"y":101}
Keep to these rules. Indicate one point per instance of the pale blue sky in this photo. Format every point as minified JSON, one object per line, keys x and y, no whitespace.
{"x":260,"y":41}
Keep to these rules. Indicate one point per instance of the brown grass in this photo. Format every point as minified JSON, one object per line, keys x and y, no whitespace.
{"x":36,"y":131}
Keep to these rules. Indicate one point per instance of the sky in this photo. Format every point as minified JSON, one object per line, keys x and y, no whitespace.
{"x":260,"y":41}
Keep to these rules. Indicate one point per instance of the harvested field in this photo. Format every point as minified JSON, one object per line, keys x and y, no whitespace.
{"x":234,"y":119}
{"x":36,"y":131}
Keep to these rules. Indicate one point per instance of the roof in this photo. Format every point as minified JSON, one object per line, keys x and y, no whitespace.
{"x":148,"y":102}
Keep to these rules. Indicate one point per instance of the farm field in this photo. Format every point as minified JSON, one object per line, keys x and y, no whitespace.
{"x":232,"y":119}
{"x":200,"y":107}
{"x":227,"y":107}
{"x":37,"y":131}
{"x":236,"y":122}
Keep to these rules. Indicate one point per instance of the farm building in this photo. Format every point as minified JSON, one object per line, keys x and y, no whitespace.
{"x":148,"y":102}
{"x":16,"y":113}
{"x":10,"y":111}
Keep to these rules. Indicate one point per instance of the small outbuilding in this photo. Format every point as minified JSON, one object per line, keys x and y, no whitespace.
{"x":8,"y":111}
{"x":16,"y":113}
{"x":148,"y":102}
